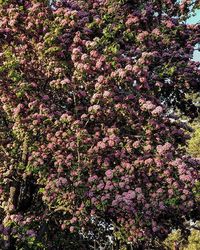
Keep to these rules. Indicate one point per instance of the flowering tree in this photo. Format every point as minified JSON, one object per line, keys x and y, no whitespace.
{"x":87,"y":138}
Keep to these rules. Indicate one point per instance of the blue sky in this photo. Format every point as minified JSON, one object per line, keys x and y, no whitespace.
{"x":195,"y":19}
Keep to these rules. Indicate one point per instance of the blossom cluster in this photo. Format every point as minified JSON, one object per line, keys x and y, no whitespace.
{"x":88,"y":135}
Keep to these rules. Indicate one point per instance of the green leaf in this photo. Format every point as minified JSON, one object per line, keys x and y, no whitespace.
{"x":41,"y":190}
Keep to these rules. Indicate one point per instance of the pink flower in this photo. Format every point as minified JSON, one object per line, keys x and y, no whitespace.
{"x":102,"y":145}
{"x":106,"y":94}
{"x":92,"y":178}
{"x":115,"y":203}
{"x":169,"y":24}
{"x":147,"y":147}
{"x":185,"y":177}
{"x":171,"y":191}
{"x":148,"y":161}
{"x":142,"y":36}
{"x":160,"y":190}
{"x":99,"y":64}
{"x":111,"y":143}
{"x":18,"y":109}
{"x":128,"y":67}
{"x":109,"y":174}
{"x":136,"y":144}
{"x":65,"y":81}
{"x":50,"y":146}
{"x":186,"y":192}
{"x":100,"y":186}
{"x":121,"y":184}
{"x":74,"y":219}
{"x":131,"y":194}
{"x":58,"y":70}
{"x":63,"y":181}
{"x":135,"y":69}
{"x":94,"y":108}
{"x":30,"y":233}
{"x":93,"y":200}
{"x":71,"y":229}
{"x":103,"y":198}
{"x":92,"y":212}
{"x":157,"y":111}
{"x":94,"y":53}
{"x":156,"y":31}
{"x":45,"y":97}
{"x":183,"y":197}
{"x":190,"y":203}
{"x":162,"y":149}
{"x":143,"y":79}
{"x":121,"y":73}
{"x":148,"y":105}
{"x":76,"y":50}
{"x":138,"y":190}
{"x":154,"y":229}
{"x":131,"y":20}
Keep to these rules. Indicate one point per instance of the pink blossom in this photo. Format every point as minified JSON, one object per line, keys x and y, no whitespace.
{"x":157,"y":111}
{"x":136,"y":144}
{"x":18,"y":109}
{"x":148,"y":105}
{"x":74,"y":219}
{"x":94,"y":108}
{"x":94,"y":53}
{"x":148,"y":161}
{"x":106,"y":94}
{"x":169,"y":24}
{"x":71,"y":229}
{"x":131,"y":194}
{"x":121,"y":73}
{"x":142,"y":36}
{"x":102,"y":145}
{"x":128,"y":67}
{"x":99,"y":64}
{"x":132,"y":20}
{"x":138,"y":190}
{"x":111,"y":143}
{"x":156,"y":31}
{"x":109,"y":174}
{"x":100,"y":186}
{"x":45,"y":97}
{"x":92,"y":178}
{"x":114,"y":203}
{"x":121,"y":184}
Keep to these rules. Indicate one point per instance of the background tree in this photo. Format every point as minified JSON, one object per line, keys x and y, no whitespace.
{"x":86,"y":88}
{"x":193,"y":149}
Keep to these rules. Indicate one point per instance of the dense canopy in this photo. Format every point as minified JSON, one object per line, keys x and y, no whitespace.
{"x":88,"y":135}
